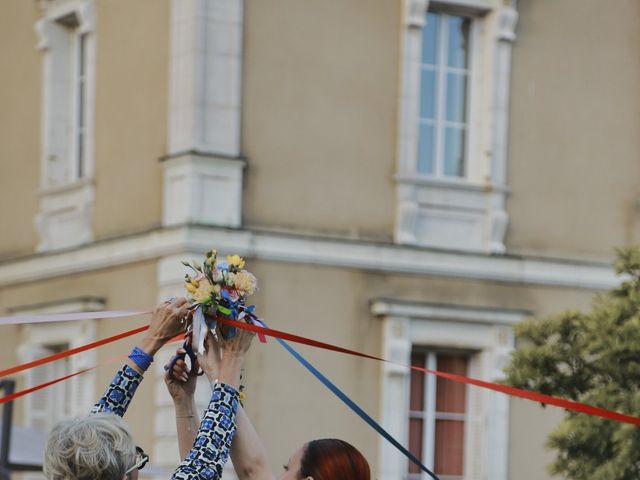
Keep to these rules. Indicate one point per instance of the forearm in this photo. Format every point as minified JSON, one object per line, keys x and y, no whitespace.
{"x":230,"y":369}
{"x":187,"y":422}
{"x":119,"y":393}
{"x":210,"y":450}
{"x":248,"y":453}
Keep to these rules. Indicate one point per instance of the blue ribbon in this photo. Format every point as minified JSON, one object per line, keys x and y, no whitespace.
{"x":353,"y":406}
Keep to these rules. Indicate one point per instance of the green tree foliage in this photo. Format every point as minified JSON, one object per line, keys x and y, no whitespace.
{"x":591,"y":357}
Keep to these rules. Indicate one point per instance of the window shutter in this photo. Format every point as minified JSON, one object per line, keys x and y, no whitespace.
{"x":37,"y":404}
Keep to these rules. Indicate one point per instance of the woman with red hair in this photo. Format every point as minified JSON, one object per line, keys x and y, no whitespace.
{"x":325,"y":459}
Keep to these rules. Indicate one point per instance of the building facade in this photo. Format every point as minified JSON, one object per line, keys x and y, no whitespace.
{"x":407,"y":178}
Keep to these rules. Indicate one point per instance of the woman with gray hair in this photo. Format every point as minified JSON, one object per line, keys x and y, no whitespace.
{"x":100,"y":446}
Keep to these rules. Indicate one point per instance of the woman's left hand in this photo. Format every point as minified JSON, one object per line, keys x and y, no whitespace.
{"x":181,"y":380}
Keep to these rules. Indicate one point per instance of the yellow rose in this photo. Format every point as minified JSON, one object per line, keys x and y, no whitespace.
{"x":235,"y":261}
{"x":203,"y":292}
{"x":246,"y":283}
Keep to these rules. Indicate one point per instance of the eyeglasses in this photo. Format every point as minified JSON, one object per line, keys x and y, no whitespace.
{"x":141,"y":460}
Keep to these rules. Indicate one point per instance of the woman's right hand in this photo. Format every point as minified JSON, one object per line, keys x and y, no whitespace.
{"x":223,"y":358}
{"x":238,"y":344}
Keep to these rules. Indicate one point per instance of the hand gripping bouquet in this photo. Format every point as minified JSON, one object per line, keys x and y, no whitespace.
{"x":218,"y":288}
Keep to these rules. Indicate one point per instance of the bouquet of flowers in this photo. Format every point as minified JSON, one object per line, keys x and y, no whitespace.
{"x":218,"y":288}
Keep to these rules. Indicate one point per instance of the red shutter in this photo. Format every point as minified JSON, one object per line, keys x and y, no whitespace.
{"x":451,"y":401}
{"x":416,"y":404}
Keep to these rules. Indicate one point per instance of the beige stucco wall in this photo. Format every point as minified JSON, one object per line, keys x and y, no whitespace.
{"x":20,"y":127}
{"x":131,"y":114}
{"x":574,"y":143}
{"x":320,"y":93}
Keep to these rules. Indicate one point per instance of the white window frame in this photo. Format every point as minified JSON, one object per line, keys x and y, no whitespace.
{"x":488,"y":335}
{"x":458,"y":213}
{"x":67,"y":198}
{"x":36,"y":339}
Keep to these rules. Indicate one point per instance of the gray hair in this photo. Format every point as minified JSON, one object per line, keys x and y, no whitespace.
{"x":96,"y":447}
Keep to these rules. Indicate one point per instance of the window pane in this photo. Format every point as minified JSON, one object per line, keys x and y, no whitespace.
{"x":456,"y":97}
{"x":428,"y":94}
{"x":425,"y":149}
{"x":415,"y":442}
{"x":449,"y":454}
{"x":451,"y":396}
{"x":430,"y":39}
{"x":458,"y":47}
{"x":454,"y":152}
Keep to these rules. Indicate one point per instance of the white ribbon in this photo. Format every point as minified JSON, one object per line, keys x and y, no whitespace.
{"x":66,"y":317}
{"x":200,"y":329}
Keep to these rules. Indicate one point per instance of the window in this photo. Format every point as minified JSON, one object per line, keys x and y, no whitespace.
{"x":445,"y":424}
{"x":437,"y":415}
{"x":67,"y":158}
{"x":453,"y":124}
{"x":444,"y":85}
{"x":67,"y":196}
{"x":69,"y":398}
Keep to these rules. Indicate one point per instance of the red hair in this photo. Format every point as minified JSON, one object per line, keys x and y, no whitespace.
{"x":333,"y":459}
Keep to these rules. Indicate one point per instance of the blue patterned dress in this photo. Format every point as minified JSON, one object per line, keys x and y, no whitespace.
{"x":210,"y":451}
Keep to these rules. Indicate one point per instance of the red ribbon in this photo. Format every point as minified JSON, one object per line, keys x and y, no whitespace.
{"x":511,"y":391}
{"x":496,"y":387}
{"x":68,"y":353}
{"x":13,"y":396}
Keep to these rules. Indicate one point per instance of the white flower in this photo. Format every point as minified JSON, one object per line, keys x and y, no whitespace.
{"x":216,"y":275}
{"x":246,"y":283}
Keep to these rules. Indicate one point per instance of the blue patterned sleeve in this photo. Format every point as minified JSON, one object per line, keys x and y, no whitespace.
{"x":120,"y":393}
{"x":210,"y":451}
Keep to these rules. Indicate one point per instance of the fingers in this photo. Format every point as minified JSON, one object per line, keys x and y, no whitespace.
{"x":210,"y":341}
{"x":180,"y":371}
{"x":179,"y":302}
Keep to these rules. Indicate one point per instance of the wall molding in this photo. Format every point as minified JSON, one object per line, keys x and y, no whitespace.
{"x":202,"y":189}
{"x":453,"y":313}
{"x":295,"y":248}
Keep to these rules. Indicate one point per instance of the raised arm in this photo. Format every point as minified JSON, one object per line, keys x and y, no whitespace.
{"x":210,"y":451}
{"x":181,"y":384}
{"x":248,"y":453}
{"x":165,"y":324}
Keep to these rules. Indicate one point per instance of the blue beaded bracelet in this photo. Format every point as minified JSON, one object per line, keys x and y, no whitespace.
{"x":141,"y":358}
